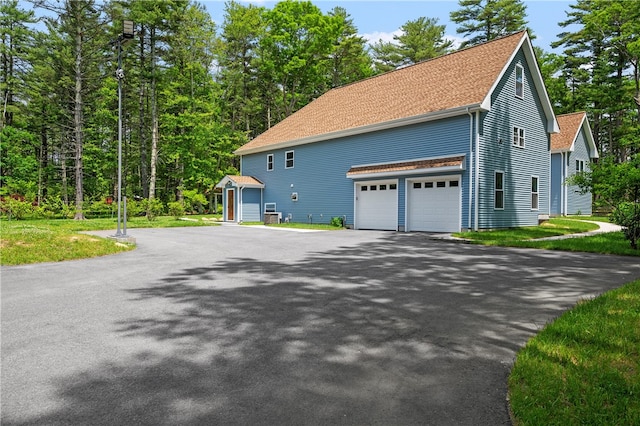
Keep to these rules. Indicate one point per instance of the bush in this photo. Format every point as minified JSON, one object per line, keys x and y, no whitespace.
{"x":153,"y":208}
{"x":101,"y":209}
{"x":15,"y":208}
{"x":194,"y":201}
{"x":338,"y":222}
{"x":627,"y":215}
{"x":176,"y":209}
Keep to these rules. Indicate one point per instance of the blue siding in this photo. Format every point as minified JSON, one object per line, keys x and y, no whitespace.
{"x":518,"y":164}
{"x":251,"y":207}
{"x":556,"y":184}
{"x":578,"y":203}
{"x":319,"y":172}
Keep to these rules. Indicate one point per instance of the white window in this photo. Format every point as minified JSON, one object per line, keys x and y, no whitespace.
{"x":498,"y":191}
{"x":534,"y":193}
{"x":518,"y":137}
{"x":288,"y":160}
{"x":519,"y":82}
{"x":579,"y":166}
{"x":269,"y":162}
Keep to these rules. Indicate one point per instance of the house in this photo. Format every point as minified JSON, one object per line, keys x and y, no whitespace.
{"x":571,"y":152}
{"x":457,"y":142}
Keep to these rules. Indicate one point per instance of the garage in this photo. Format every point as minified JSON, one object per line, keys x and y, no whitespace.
{"x":434,"y":204}
{"x":377,"y":205}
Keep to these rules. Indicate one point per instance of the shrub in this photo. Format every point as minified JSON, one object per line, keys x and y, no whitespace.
{"x":153,"y":208}
{"x":194,"y":201}
{"x":15,"y":208}
{"x":101,"y":209}
{"x":338,"y":222}
{"x":176,"y":209}
{"x":627,"y":215}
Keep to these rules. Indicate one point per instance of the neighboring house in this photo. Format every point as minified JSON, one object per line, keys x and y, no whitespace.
{"x":457,"y":142}
{"x":571,"y":152}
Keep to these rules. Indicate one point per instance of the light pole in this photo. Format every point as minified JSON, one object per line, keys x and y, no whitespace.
{"x":127,"y":34}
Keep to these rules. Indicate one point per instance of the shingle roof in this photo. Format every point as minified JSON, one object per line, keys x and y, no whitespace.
{"x":569,"y":127}
{"x":407,"y":166}
{"x":240,"y":181}
{"x":456,"y":80}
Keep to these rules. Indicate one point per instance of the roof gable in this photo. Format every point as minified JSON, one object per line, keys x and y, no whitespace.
{"x":570,"y":127}
{"x":240,"y":182}
{"x":449,"y":85}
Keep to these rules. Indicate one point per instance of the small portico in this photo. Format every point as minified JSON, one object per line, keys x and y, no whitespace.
{"x":241,"y":198}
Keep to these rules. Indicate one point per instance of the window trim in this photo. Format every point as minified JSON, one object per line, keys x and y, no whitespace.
{"x":286,"y":159}
{"x":270,"y":163}
{"x":535,"y":194}
{"x":497,"y":191}
{"x":519,"y":84}
{"x":518,"y":137}
{"x":580,"y":166}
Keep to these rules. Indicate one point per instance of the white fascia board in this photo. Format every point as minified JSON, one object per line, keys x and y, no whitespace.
{"x":401,"y":122}
{"x":589,"y":136}
{"x":560,"y":151}
{"x":427,"y":171}
{"x":538,"y":82}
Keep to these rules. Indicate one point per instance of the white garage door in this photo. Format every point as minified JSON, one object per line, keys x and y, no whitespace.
{"x":377,"y":205}
{"x":434,"y":205}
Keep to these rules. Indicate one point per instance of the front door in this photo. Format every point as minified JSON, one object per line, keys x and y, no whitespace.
{"x":230,"y":205}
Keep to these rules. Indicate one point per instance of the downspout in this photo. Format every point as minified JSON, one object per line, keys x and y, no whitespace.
{"x":565,"y":170}
{"x":477,"y":172}
{"x":471,"y":168}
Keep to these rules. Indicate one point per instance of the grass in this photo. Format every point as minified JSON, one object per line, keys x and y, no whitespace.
{"x":607,"y":243}
{"x":584,"y":368}
{"x":44,"y":240}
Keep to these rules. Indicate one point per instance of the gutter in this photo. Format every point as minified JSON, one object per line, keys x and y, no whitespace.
{"x":477,"y":173}
{"x":471,"y":169}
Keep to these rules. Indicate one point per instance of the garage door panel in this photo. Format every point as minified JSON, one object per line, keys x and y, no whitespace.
{"x":434,"y":206}
{"x":377,"y":205}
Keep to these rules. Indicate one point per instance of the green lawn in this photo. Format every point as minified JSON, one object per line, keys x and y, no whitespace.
{"x":584,"y":368}
{"x":607,"y":243}
{"x":55,"y":240}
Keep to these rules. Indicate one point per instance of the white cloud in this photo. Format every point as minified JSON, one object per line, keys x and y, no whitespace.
{"x":376,"y":36}
{"x":457,"y":41}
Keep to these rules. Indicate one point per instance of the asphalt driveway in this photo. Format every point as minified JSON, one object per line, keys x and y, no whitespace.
{"x":238,"y":325}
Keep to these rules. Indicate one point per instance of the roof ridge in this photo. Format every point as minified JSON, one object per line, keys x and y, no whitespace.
{"x":424,"y":61}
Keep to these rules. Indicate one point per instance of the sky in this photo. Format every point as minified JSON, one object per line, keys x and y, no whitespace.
{"x":378,"y":19}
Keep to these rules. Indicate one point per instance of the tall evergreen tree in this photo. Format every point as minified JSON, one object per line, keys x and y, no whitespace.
{"x":484,"y":20}
{"x":420,"y":39}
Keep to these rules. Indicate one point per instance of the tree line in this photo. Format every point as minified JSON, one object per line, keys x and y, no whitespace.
{"x":195,"y":90}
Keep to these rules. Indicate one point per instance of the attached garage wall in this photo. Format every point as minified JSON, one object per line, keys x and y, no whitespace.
{"x":377,"y":205}
{"x":434,"y":204}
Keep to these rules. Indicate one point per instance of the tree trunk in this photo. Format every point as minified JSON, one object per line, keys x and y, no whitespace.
{"x":78,"y":125}
{"x":154,"y":119}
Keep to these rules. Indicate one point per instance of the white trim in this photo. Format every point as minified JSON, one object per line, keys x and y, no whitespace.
{"x":270,"y":163}
{"x":293,"y":159}
{"x":477,"y":173}
{"x":401,"y":122}
{"x":430,"y":171}
{"x":516,"y":139}
{"x":521,"y":68}
{"x":537,"y":208}
{"x":495,"y":190}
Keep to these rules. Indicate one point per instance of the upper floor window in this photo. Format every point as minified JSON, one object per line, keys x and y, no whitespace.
{"x":288,"y":160}
{"x":518,"y":137}
{"x":269,"y":162}
{"x":519,"y":81}
{"x":579,"y":166}
{"x":498,"y":191}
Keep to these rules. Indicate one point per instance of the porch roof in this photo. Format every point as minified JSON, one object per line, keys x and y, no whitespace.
{"x":429,"y":165}
{"x":240,"y":182}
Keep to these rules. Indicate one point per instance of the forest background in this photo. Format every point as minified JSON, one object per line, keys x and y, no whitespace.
{"x":194,"y":91}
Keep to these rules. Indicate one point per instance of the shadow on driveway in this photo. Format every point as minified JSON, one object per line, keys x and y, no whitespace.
{"x":399,"y":330}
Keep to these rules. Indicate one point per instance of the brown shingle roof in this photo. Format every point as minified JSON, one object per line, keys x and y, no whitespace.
{"x":407,"y":166}
{"x":569,"y":127}
{"x":459,"y":79}
{"x":240,"y":181}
